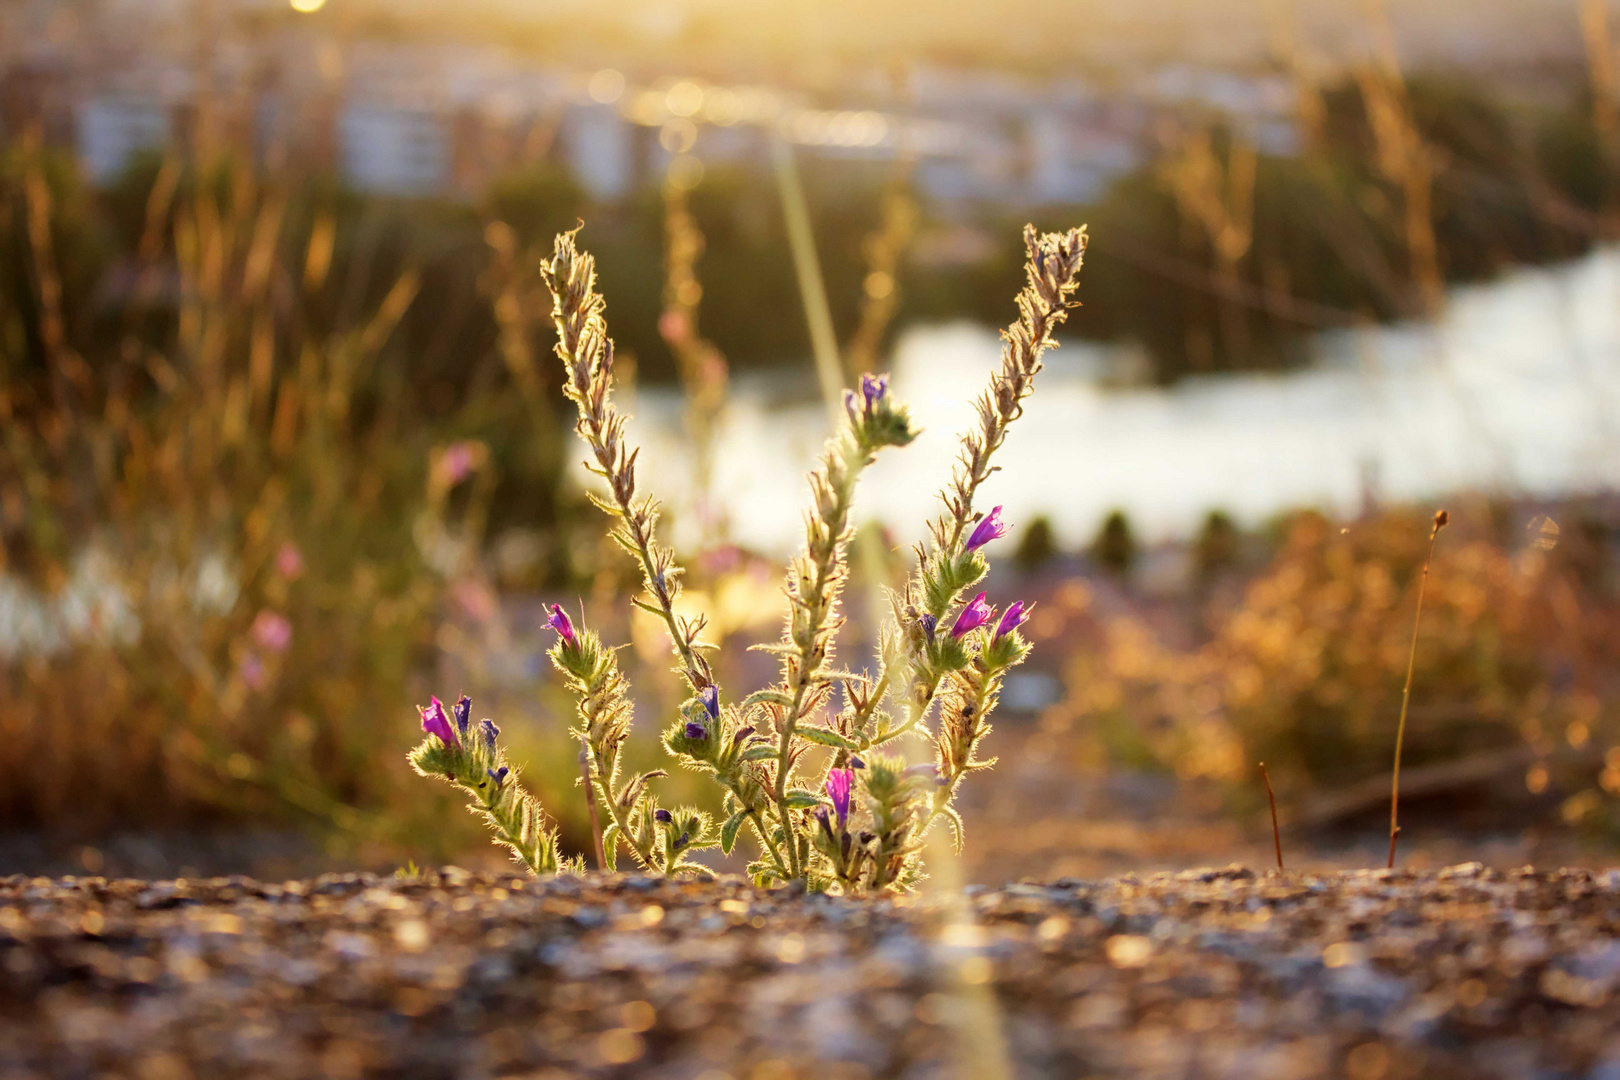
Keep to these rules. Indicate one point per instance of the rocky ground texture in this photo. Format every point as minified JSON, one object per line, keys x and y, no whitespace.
{"x":1466,"y":972}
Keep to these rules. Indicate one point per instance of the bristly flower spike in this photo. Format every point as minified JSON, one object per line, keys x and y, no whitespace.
{"x":988,"y":529}
{"x":478,"y":770}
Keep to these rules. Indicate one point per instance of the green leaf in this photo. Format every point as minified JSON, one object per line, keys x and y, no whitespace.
{"x":800,"y":799}
{"x":758,"y":753}
{"x":824,"y":736}
{"x":767,"y":697}
{"x":610,"y":848}
{"x":956,"y":826}
{"x":728,"y":831}
{"x":776,"y":649}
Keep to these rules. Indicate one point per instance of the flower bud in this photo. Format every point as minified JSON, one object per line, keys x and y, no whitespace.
{"x":560,"y":622}
{"x":436,"y":723}
{"x":989,"y":528}
{"x":975,"y":615}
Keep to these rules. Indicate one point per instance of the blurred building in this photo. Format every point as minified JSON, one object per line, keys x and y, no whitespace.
{"x":416,"y":117}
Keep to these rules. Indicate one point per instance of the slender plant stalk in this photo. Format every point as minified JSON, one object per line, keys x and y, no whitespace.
{"x":1271,"y":796}
{"x":802,"y":244}
{"x":587,"y":353}
{"x":590,"y":802}
{"x":815,"y":582}
{"x":1052,"y":274}
{"x":1440,"y":519}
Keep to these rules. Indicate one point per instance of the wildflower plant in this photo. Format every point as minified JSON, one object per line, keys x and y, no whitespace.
{"x":853,"y":816}
{"x":470,"y":758}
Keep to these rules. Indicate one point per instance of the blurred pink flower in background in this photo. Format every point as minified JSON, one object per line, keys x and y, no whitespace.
{"x":251,"y":670}
{"x":272,"y":631}
{"x":458,"y":461}
{"x":476,"y":600}
{"x":674,"y":327}
{"x":289,"y":561}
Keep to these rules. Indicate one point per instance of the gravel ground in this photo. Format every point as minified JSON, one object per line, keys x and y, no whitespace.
{"x":1467,"y":972}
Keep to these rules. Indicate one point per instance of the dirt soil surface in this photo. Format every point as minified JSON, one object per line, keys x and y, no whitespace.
{"x":1467,"y":972}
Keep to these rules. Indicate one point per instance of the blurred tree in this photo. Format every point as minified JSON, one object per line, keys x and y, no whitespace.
{"x":1216,"y":548}
{"x":1114,"y":549}
{"x":1037,"y":547}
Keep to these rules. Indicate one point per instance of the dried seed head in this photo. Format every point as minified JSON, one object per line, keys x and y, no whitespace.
{"x":1440,"y":519}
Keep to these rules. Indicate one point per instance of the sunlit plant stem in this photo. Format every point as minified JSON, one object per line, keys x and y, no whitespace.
{"x":1440,"y":519}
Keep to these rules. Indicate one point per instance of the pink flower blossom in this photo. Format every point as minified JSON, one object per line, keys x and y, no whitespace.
{"x":559,"y":622}
{"x":838,"y":782}
{"x":435,"y":722}
{"x":251,"y":671}
{"x":975,"y":615}
{"x":674,"y":327}
{"x":1014,"y":617}
{"x":272,"y":631}
{"x":289,"y":561}
{"x":458,"y":461}
{"x":990,"y":528}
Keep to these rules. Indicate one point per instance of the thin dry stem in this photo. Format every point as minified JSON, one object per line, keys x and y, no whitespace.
{"x":1271,"y":796}
{"x":1440,"y":520}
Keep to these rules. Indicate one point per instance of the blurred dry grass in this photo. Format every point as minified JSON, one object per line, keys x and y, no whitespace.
{"x":227,"y":542}
{"x":1303,"y":669}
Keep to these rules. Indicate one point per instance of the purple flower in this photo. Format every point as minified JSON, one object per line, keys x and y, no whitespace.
{"x":463,"y":711}
{"x":489,"y":731}
{"x":663,"y":817}
{"x":711,"y":701}
{"x":989,"y":528}
{"x":695,"y":730}
{"x":435,"y":722}
{"x":873,"y":389}
{"x":838,"y":781}
{"x":975,"y":615}
{"x":559,"y":622}
{"x":742,"y":734}
{"x":1014,"y":617}
{"x":823,"y":819}
{"x":929,"y":624}
{"x":498,"y":775}
{"x":856,"y":763}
